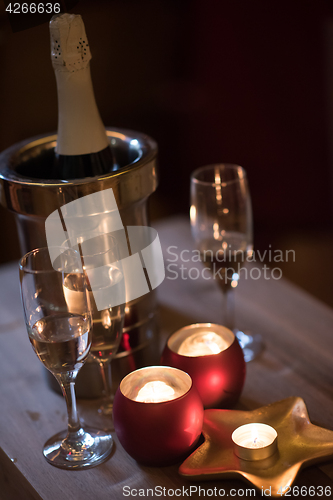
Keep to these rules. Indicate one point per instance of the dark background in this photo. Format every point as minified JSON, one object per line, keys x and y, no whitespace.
{"x":247,"y":82}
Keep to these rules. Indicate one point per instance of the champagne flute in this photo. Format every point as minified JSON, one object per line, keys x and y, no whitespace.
{"x":100,"y":257}
{"x":221,"y":223}
{"x":60,"y":335}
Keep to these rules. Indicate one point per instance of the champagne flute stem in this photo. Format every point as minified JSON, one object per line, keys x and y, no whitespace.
{"x":229,"y":309}
{"x":68,"y":390}
{"x":106,"y":374}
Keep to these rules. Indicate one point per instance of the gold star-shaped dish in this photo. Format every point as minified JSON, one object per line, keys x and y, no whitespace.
{"x":300,"y":443}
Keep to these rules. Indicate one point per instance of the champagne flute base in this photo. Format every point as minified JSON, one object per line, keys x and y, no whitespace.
{"x":251,"y":344}
{"x":93,"y":448}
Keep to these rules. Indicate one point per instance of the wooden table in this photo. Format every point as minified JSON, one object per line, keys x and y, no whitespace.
{"x":297,"y":361}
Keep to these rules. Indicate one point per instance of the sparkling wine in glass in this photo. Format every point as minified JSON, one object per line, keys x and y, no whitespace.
{"x":221,"y":223}
{"x":60,"y":335}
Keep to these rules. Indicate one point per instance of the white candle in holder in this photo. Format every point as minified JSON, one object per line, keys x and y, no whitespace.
{"x":254,"y":441}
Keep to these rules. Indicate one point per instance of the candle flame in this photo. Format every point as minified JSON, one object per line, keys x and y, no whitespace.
{"x":106,"y":318}
{"x":193,"y":214}
{"x":254,"y":434}
{"x":256,"y":441}
{"x":202,"y":344}
{"x":155,"y":391}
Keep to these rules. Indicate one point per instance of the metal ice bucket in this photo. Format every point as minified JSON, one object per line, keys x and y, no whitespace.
{"x":33,"y":199}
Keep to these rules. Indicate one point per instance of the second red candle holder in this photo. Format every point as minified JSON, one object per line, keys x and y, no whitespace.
{"x":211,"y":355}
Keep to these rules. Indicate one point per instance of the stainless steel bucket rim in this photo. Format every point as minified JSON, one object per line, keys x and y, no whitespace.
{"x":135,"y":181}
{"x":146,"y":147}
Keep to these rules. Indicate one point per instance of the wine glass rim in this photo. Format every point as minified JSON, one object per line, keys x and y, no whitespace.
{"x":225,"y":166}
{"x":23,"y":261}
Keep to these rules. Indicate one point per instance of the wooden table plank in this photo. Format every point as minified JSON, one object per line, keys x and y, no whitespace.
{"x":298,"y":360}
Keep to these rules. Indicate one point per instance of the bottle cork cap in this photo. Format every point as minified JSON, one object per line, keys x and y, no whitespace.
{"x":69,"y":44}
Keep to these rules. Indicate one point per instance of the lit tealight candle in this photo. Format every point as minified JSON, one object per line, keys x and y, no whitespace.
{"x":254,"y":441}
{"x":202,"y":344}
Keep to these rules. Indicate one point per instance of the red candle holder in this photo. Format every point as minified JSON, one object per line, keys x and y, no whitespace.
{"x":219,"y":376}
{"x":158,"y":415}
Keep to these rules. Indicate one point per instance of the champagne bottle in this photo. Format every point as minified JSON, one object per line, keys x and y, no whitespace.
{"x":82,"y":147}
